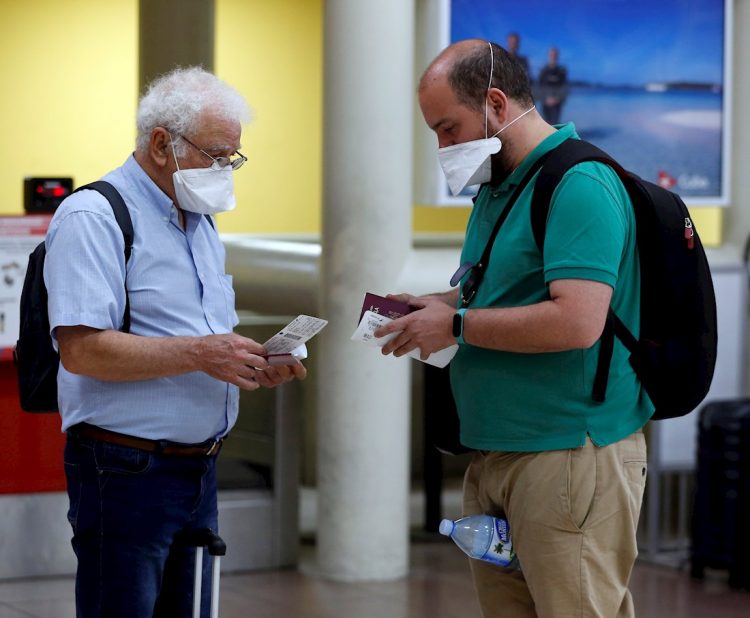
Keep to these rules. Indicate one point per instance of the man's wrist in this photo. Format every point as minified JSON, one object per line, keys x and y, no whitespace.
{"x":458,"y":325}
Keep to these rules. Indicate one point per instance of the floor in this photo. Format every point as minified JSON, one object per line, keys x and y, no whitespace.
{"x":438,"y":586}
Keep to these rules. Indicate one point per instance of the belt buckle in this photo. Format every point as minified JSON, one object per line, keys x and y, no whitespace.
{"x":214,"y":448}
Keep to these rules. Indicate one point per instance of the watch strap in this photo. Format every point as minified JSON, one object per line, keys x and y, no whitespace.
{"x":458,"y":325}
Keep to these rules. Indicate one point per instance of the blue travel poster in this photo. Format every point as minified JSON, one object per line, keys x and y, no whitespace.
{"x":644,"y":80}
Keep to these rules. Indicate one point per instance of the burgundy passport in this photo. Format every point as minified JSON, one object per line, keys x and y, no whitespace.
{"x":385,"y":306}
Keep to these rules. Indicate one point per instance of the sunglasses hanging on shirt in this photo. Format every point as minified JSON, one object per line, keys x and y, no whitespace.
{"x":476,"y":270}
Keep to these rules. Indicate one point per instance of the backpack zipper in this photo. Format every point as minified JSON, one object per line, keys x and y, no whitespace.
{"x":689,"y":233}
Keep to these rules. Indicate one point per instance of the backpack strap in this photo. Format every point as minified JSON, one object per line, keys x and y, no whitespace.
{"x":481,"y":266}
{"x":566,"y":155}
{"x":122,"y":216}
{"x":571,"y":152}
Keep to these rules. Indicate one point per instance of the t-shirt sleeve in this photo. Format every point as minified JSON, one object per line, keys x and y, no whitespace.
{"x":84,"y":270}
{"x":587,"y":227}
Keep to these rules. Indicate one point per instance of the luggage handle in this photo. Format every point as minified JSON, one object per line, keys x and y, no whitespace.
{"x":203,"y":537}
{"x":200,"y":538}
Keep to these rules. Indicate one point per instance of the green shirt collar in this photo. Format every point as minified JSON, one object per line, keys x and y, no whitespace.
{"x":562,"y":133}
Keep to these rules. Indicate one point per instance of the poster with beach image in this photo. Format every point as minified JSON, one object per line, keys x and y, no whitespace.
{"x":644,"y":80}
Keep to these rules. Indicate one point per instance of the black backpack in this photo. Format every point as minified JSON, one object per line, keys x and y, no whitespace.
{"x":34,"y":356}
{"x":675,"y":355}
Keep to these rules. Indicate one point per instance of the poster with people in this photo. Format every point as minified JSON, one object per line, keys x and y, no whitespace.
{"x":648,"y":82}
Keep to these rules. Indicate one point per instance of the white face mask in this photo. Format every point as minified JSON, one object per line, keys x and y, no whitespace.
{"x":205,"y":190}
{"x":470,"y":163}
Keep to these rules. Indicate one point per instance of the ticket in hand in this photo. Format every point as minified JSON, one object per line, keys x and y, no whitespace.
{"x":288,"y":345}
{"x":371,"y":321}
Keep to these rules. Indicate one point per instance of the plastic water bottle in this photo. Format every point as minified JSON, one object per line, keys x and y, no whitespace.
{"x":482,"y":537}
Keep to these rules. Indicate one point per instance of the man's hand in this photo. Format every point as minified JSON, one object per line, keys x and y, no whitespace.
{"x":232,"y":358}
{"x":429,"y":328}
{"x":279,"y":374}
{"x":239,"y":360}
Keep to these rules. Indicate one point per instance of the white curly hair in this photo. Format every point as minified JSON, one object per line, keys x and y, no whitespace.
{"x":177,"y":99}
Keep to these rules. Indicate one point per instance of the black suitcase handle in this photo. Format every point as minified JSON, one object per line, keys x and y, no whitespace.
{"x":200,"y":538}
{"x":203,"y":537}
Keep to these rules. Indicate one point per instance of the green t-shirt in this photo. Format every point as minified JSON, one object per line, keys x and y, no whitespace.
{"x":533,"y":402}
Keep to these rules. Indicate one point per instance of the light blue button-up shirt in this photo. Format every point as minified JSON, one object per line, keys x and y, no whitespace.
{"x":177,"y":287}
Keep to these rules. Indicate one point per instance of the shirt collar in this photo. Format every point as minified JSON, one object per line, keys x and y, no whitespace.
{"x":562,"y":133}
{"x":142,"y":182}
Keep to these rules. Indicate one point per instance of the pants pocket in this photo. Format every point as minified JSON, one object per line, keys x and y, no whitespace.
{"x":635,"y":470}
{"x":73,"y":481}
{"x":115,"y":461}
{"x":121,"y":459}
{"x":581,"y":486}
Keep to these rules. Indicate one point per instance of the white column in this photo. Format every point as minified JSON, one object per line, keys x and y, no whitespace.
{"x":737,"y":226}
{"x":364,"y":398}
{"x":737,"y":218}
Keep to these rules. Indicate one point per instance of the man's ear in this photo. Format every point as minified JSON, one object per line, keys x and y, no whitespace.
{"x":497,"y":102}
{"x":160,"y":146}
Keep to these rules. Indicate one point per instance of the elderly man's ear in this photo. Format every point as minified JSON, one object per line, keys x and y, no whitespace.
{"x":160,"y":146}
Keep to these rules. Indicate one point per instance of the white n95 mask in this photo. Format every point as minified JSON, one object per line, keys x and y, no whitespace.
{"x":468,"y":163}
{"x":205,"y":190}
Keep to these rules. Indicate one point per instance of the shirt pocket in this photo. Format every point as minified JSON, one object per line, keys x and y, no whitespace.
{"x":225,"y":283}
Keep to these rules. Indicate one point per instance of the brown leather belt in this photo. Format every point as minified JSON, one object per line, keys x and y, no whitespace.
{"x":210,"y":448}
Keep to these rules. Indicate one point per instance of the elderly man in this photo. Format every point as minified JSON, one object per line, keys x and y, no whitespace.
{"x":145,"y":411}
{"x":566,"y":471}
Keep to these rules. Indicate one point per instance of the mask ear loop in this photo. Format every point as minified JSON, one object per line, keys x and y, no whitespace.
{"x":492,"y":70}
{"x":174,"y":153}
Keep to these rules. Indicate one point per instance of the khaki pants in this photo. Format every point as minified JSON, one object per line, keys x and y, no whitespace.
{"x":573,"y":516}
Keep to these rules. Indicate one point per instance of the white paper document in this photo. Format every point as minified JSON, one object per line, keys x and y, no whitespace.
{"x":288,"y":345}
{"x":372,"y":321}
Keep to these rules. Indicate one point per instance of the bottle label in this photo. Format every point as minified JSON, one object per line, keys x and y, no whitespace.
{"x":501,"y":548}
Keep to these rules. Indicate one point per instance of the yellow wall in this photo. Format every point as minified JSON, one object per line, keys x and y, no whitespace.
{"x":709,"y":223}
{"x":69,"y":110}
{"x":69,"y":71}
{"x":272,"y":52}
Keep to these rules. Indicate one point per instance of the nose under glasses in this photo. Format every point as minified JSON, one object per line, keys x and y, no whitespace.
{"x":220,"y":162}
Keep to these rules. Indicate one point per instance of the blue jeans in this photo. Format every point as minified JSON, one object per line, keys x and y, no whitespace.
{"x":126,"y":506}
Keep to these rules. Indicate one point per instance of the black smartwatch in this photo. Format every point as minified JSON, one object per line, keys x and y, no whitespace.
{"x":458,"y":325}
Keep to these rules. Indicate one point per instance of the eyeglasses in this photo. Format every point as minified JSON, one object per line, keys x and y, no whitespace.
{"x":220,"y":162}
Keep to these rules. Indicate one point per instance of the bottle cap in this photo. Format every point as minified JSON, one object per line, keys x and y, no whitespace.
{"x":446,"y":527}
